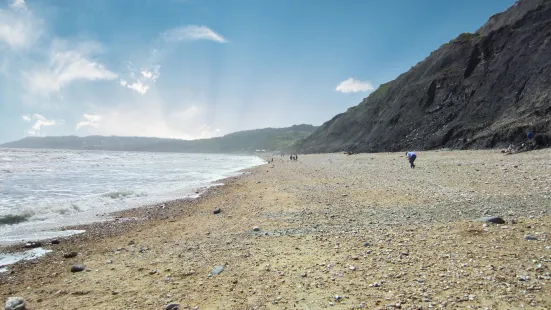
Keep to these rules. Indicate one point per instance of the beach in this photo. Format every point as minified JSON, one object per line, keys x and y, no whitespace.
{"x":325,"y":231}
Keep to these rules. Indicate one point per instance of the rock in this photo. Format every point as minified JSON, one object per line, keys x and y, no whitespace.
{"x":492,"y":220}
{"x":256,"y":228}
{"x":366,"y":244}
{"x":172,"y":307}
{"x":55,"y":241}
{"x":78,"y":268}
{"x":530,"y":238}
{"x":217,"y":270}
{"x":32,"y":245}
{"x":216,"y":211}
{"x":523,"y":278}
{"x":15,"y":303}
{"x":70,"y":254}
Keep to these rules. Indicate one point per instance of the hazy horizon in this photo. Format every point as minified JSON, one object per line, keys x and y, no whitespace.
{"x":190,"y":69}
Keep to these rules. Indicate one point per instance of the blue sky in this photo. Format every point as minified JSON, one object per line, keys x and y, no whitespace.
{"x":200,"y":68}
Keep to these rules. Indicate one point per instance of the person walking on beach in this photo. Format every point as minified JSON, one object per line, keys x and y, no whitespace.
{"x":411,"y":158}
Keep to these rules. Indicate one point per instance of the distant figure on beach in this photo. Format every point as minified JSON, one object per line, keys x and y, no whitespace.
{"x":411,"y":158}
{"x":530,"y":135}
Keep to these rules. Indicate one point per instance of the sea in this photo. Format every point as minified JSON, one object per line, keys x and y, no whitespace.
{"x":42,"y":191}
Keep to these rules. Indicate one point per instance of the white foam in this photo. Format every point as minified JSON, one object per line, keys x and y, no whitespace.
{"x":12,"y":258}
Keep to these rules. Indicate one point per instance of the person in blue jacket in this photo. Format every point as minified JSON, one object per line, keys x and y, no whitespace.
{"x":411,"y":157}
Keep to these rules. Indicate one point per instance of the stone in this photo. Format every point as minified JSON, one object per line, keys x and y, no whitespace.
{"x":70,"y":254}
{"x":78,"y":268}
{"x":256,"y":228}
{"x":492,"y":220}
{"x":217,"y":270}
{"x":366,"y":244}
{"x":32,"y":245}
{"x":216,"y":211}
{"x":15,"y":303}
{"x":530,"y":238}
{"x":172,"y":307}
{"x":55,"y":241}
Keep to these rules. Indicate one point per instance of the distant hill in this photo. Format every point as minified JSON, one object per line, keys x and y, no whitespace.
{"x":269,"y":139}
{"x":481,"y":90}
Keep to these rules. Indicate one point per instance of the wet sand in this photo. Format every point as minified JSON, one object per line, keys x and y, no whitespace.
{"x":335,"y":231}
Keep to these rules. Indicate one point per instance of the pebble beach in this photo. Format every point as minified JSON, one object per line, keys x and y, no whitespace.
{"x":327,"y":231}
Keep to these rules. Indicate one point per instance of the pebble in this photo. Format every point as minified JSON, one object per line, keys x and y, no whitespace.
{"x":32,"y":245}
{"x":216,"y":211}
{"x":78,"y":268}
{"x":15,"y":303}
{"x":530,"y":238}
{"x":217,"y":270}
{"x":172,"y":307}
{"x":492,"y":220}
{"x":70,"y":254}
{"x":55,"y":241}
{"x":256,"y":228}
{"x":366,"y":244}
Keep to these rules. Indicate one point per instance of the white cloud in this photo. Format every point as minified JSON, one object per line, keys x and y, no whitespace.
{"x":353,"y":86}
{"x":39,"y":122}
{"x":191,"y":33}
{"x":64,"y":68}
{"x":90,"y":120}
{"x":148,"y":117}
{"x":137,"y":86}
{"x":152,"y":73}
{"x":18,"y":5}
{"x":19,"y":29}
{"x":141,"y":84}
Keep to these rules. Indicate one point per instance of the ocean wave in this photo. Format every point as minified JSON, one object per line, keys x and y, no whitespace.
{"x":123,"y":194}
{"x":12,"y":219}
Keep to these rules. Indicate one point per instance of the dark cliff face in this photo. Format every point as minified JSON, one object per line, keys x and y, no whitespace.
{"x":479,"y":90}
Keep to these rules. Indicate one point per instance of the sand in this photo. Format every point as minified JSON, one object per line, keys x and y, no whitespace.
{"x":335,"y":231}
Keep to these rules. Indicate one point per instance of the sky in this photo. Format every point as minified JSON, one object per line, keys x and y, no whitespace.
{"x":193,"y":69}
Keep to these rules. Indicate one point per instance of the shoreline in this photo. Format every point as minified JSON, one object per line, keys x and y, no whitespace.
{"x":326,"y":231}
{"x":122,"y":221}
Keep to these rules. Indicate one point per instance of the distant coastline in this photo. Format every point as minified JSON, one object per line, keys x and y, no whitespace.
{"x":242,"y":142}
